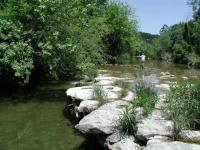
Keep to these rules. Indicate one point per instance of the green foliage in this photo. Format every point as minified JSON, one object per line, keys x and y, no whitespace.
{"x":147,"y":37}
{"x":99,"y":94}
{"x":16,"y":54}
{"x":179,"y":43}
{"x":183,"y":107}
{"x":128,"y":122}
{"x":123,"y":39}
{"x":58,"y":39}
{"x":146,"y":97}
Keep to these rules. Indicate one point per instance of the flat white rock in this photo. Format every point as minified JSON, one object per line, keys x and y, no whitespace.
{"x":150,"y":127}
{"x":190,"y":136}
{"x":125,"y":144}
{"x":172,"y":146}
{"x":88,"y":106}
{"x":87,"y":92}
{"x":103,"y":120}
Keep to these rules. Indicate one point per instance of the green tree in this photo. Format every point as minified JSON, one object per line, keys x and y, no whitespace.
{"x":123,"y":36}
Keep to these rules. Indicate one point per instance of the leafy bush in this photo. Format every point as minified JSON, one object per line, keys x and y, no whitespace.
{"x":59,"y":39}
{"x":183,"y":107}
{"x":124,"y":59}
{"x":128,"y":121}
{"x":99,"y":94}
{"x":146,"y":97}
{"x":16,"y":54}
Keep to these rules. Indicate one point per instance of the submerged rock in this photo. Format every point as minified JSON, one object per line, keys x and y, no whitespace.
{"x":171,"y":146}
{"x":105,"y":82}
{"x":185,"y":78}
{"x":100,"y":78}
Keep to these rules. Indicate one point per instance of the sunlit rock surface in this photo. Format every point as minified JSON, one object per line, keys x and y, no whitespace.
{"x":103,"y":120}
{"x":87,"y":106}
{"x":127,"y":143}
{"x":87,"y":92}
{"x":171,"y":146}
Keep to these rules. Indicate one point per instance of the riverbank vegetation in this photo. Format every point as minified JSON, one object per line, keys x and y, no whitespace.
{"x":141,"y":106}
{"x":179,"y":43}
{"x":146,"y":97}
{"x":60,"y":39}
{"x":183,"y":107}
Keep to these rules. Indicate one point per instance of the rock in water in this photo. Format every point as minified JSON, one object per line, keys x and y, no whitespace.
{"x":88,"y":106}
{"x":190,"y":136}
{"x":103,"y":120}
{"x":87,"y":92}
{"x":171,"y":146}
{"x":127,"y":143}
{"x":150,"y":127}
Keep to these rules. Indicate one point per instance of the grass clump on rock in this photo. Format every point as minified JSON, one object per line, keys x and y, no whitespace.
{"x":146,"y":97}
{"x":183,"y":107}
{"x":99,"y":94}
{"x":128,"y":121}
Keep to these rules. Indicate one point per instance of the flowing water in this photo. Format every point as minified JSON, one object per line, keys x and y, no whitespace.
{"x":34,"y":119}
{"x":153,"y":71}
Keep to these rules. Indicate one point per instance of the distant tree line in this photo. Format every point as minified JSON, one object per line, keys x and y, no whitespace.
{"x":179,"y":43}
{"x":148,"y":38}
{"x":55,"y":39}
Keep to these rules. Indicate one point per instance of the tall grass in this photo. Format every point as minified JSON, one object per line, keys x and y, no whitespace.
{"x":99,"y":94}
{"x":183,"y":107}
{"x":146,"y":97}
{"x":128,"y":121}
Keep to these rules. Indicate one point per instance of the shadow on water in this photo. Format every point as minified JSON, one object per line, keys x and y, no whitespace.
{"x":33,"y":111}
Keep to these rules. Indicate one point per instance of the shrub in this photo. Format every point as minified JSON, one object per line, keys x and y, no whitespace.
{"x":99,"y":94}
{"x":146,"y":97}
{"x":183,"y":107}
{"x":128,"y":121}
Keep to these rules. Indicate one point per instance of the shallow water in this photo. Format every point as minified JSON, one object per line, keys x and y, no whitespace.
{"x":152,"y":71}
{"x":34,"y":119}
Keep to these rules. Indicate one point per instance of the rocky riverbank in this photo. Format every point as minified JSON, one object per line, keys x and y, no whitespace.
{"x":101,"y":120}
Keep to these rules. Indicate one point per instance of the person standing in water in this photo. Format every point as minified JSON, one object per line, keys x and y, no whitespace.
{"x":143,"y":58}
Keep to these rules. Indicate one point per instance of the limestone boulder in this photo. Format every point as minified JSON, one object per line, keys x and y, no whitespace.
{"x":104,"y":120}
{"x":171,"y":146}
{"x":190,"y":136}
{"x":88,"y":106}
{"x":87,"y":92}
{"x":151,"y":127}
{"x":127,"y":143}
